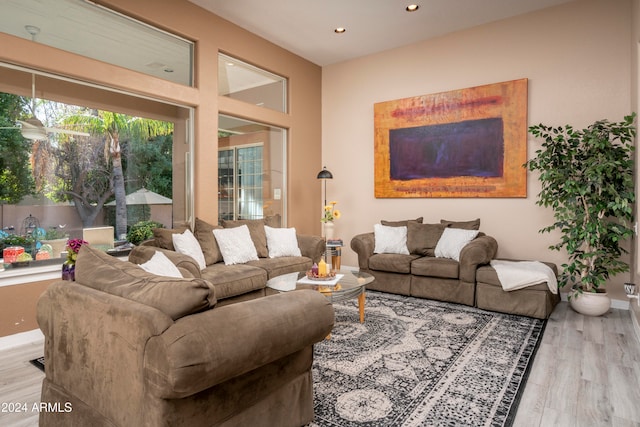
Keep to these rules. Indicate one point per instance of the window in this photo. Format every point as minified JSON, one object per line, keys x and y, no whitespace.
{"x":67,"y":170}
{"x":242,"y":81}
{"x":251,"y":178}
{"x":240,"y":183}
{"x":82,"y":27}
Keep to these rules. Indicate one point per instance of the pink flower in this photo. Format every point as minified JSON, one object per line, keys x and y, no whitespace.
{"x":73,"y":246}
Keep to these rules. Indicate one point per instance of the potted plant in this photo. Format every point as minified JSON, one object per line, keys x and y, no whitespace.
{"x":587,"y":179}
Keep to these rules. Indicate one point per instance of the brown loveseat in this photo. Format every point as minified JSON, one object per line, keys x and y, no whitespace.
{"x":420,"y":273}
{"x":126,"y":348}
{"x":232,"y":282}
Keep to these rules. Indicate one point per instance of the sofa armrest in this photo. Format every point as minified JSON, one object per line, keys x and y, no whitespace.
{"x":91,"y":334}
{"x":187,"y":265}
{"x":363,"y":245}
{"x":205,"y":349}
{"x":479,"y":251}
{"x":311,"y":246}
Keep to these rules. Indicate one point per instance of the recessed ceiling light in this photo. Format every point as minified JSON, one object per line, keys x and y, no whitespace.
{"x":340,"y":30}
{"x":412,"y":8}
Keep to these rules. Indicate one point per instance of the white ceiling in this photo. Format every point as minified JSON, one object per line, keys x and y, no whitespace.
{"x":305,"y":27}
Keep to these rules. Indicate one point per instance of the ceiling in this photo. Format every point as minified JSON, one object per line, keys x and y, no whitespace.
{"x":306,"y":27}
{"x":87,"y":29}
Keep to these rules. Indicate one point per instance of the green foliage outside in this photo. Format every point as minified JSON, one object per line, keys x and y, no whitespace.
{"x":142,"y":231}
{"x":587,"y":179}
{"x":16,"y":178}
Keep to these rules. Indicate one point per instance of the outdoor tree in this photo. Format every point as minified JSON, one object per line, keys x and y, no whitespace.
{"x":16,"y":179}
{"x":149,"y":164}
{"x":111,"y":125}
{"x":82,"y":174}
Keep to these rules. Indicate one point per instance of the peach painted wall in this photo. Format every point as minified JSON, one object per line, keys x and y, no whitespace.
{"x":577,"y":59}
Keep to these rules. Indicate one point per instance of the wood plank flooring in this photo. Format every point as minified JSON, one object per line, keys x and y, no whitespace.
{"x":586,"y":373}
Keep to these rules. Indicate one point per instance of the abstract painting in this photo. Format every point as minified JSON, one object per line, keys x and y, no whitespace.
{"x":463,"y":143}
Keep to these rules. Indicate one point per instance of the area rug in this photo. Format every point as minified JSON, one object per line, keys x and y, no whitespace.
{"x":417,"y":362}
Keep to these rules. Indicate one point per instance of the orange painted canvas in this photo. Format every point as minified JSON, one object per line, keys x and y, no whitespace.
{"x":463,"y":143}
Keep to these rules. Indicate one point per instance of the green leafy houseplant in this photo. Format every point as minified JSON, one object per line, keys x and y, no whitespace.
{"x":587,"y":179}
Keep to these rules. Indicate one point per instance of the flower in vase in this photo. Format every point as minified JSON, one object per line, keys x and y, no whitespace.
{"x":73,"y":247}
{"x":331,"y":213}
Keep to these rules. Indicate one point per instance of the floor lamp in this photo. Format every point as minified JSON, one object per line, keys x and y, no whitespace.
{"x":324,"y":175}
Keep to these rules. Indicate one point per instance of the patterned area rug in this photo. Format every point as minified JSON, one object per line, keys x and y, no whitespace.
{"x":416,"y":362}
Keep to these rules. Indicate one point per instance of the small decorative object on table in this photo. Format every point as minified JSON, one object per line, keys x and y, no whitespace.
{"x":69,"y":266}
{"x":330,"y":214}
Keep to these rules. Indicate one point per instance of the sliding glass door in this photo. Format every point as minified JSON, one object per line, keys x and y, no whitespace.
{"x":251,"y":179}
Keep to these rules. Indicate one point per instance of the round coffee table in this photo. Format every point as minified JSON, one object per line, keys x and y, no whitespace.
{"x":349,"y":284}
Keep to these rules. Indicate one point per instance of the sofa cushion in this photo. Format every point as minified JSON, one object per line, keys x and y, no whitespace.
{"x":390,"y":240}
{"x":236,"y":245}
{"x":423,"y":238}
{"x":466,"y":225}
{"x":187,"y":244}
{"x":204,"y":233}
{"x":436,"y":267}
{"x":164,"y":237}
{"x":174,"y":297}
{"x":282,"y":242}
{"x":232,"y":280}
{"x":395,"y":263}
{"x":256,"y":230}
{"x":402,"y":223}
{"x":452,"y":241}
{"x":283,"y":265}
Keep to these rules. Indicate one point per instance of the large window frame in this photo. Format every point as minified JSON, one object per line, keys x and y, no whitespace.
{"x":54,"y":87}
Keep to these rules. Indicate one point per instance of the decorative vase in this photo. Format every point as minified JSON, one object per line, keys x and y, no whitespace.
{"x":69,"y":272}
{"x":590,"y":303}
{"x":328,"y":230}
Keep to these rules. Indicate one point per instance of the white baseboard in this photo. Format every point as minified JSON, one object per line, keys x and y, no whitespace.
{"x":22,"y":338}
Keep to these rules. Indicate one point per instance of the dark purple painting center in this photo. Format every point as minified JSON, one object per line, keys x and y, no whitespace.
{"x":471,"y":148}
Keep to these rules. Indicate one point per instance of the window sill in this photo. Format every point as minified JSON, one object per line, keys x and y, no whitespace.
{"x":20,"y":276}
{"x":50,"y":270}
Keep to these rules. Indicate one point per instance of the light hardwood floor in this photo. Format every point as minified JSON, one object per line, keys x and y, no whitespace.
{"x":586,"y":373}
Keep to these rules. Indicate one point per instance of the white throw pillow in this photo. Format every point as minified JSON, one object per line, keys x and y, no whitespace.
{"x":236,"y":245}
{"x":160,"y":265}
{"x":282,"y":242}
{"x":390,"y":240}
{"x":452,"y":241}
{"x":187,"y":244}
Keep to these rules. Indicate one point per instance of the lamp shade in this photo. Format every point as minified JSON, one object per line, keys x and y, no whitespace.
{"x":325,"y":174}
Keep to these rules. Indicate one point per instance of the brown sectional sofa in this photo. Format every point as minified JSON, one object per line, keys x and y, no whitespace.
{"x":470,"y":281}
{"x":124,"y":347}
{"x":232,"y":282}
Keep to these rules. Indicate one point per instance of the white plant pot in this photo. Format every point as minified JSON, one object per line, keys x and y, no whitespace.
{"x":589,"y":303}
{"x":328,"y":230}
